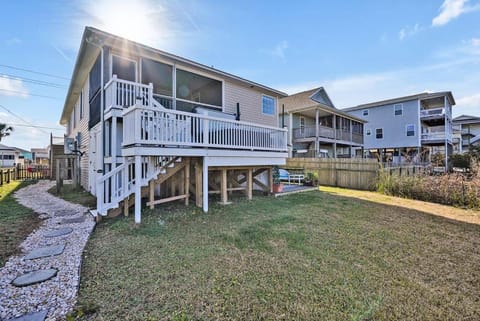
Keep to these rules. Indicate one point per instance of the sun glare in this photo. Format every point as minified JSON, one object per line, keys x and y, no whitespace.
{"x":140,"y":20}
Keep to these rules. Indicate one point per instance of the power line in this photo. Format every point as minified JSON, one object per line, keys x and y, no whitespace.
{"x":34,"y":72}
{"x":23,"y":120}
{"x":34,"y":126}
{"x":27,"y":93}
{"x":33,"y":81}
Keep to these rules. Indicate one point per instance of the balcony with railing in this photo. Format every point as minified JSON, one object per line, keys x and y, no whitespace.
{"x":149,"y":126}
{"x":146,"y":122}
{"x":435,"y":134}
{"x":432,"y":113}
{"x":328,"y":133}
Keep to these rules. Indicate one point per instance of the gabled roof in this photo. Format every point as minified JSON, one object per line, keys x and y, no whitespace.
{"x":88,"y":52}
{"x":316,"y":98}
{"x":5,"y":147}
{"x":403,"y":99}
{"x":307,"y":98}
{"x":466,"y":119}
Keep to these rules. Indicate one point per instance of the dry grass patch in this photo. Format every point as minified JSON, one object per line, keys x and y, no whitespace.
{"x":463,"y":215}
{"x":309,"y":256}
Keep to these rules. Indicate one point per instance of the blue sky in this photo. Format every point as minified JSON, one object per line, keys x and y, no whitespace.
{"x":360,"y":51}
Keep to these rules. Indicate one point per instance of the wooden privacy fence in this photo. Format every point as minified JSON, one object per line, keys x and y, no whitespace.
{"x":342,"y":172}
{"x":406,"y":170}
{"x":24,"y":173}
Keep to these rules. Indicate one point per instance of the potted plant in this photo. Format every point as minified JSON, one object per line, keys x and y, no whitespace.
{"x":311,"y":179}
{"x":277,"y":184}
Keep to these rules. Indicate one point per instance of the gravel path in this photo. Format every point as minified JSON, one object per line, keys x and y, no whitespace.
{"x":57,"y":295}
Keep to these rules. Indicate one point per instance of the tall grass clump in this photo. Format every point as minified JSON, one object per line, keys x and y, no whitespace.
{"x":457,"y":189}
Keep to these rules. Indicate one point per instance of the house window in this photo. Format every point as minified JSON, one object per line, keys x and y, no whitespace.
{"x":268,"y":105}
{"x":302,"y":124}
{"x":365,"y":112}
{"x":379,"y":133}
{"x":74,"y":115}
{"x":398,"y":109}
{"x":369,"y":132}
{"x":197,"y":89}
{"x":81,"y":104}
{"x":410,"y":130}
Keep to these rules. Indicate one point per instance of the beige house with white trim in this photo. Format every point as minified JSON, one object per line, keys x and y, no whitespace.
{"x":152,"y":124}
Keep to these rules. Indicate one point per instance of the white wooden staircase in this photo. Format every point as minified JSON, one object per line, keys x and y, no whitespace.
{"x":120,"y":183}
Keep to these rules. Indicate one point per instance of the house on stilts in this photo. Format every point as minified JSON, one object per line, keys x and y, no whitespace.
{"x":150,"y":124}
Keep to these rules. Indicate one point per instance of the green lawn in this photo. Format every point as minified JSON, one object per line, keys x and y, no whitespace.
{"x":75,"y":195}
{"x":308,"y":256}
{"x":16,"y":221}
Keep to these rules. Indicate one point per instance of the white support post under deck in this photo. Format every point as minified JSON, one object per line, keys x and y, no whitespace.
{"x":205,"y":184}
{"x":113,"y":142}
{"x":138,"y":189}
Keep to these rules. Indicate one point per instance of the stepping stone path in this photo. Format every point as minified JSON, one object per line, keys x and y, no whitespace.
{"x":79,"y":219}
{"x":37,"y":316}
{"x":34,"y":277}
{"x":64,"y":213}
{"x":43,"y":283}
{"x":59,"y":232}
{"x":45,"y":252}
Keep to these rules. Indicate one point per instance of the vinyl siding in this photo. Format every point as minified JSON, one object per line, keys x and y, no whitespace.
{"x":250,"y":104}
{"x":81,"y":126}
{"x":394,"y":127}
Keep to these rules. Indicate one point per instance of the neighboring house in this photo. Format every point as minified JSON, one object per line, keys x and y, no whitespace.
{"x":469,"y":131}
{"x":152,"y":123}
{"x":9,"y":156}
{"x":318,"y":129}
{"x":40,"y":156}
{"x":24,"y":157}
{"x":408,"y":129}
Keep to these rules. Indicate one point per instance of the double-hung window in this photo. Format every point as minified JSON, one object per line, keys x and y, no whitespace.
{"x":398,"y":109}
{"x":410,"y":130}
{"x":379,"y":133}
{"x":268,"y":105}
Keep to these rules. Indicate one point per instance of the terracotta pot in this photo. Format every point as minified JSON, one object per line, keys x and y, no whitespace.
{"x":277,"y":188}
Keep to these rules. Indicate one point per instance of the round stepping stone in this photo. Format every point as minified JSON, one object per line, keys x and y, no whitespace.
{"x":79,"y":219}
{"x":35,"y":316}
{"x":59,"y":232}
{"x":45,"y":252}
{"x":34,"y":277}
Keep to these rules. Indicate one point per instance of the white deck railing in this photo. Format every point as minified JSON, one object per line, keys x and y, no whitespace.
{"x":433,"y":136}
{"x":327,"y":132}
{"x":159,"y":126}
{"x":124,"y":93}
{"x":432,"y":112}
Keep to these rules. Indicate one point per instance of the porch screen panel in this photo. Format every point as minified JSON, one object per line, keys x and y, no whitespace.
{"x":124,"y":68}
{"x":197,"y":88}
{"x":159,"y":74}
{"x":95,"y":85}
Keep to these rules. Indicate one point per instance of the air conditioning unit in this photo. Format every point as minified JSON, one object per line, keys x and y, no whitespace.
{"x":70,"y":146}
